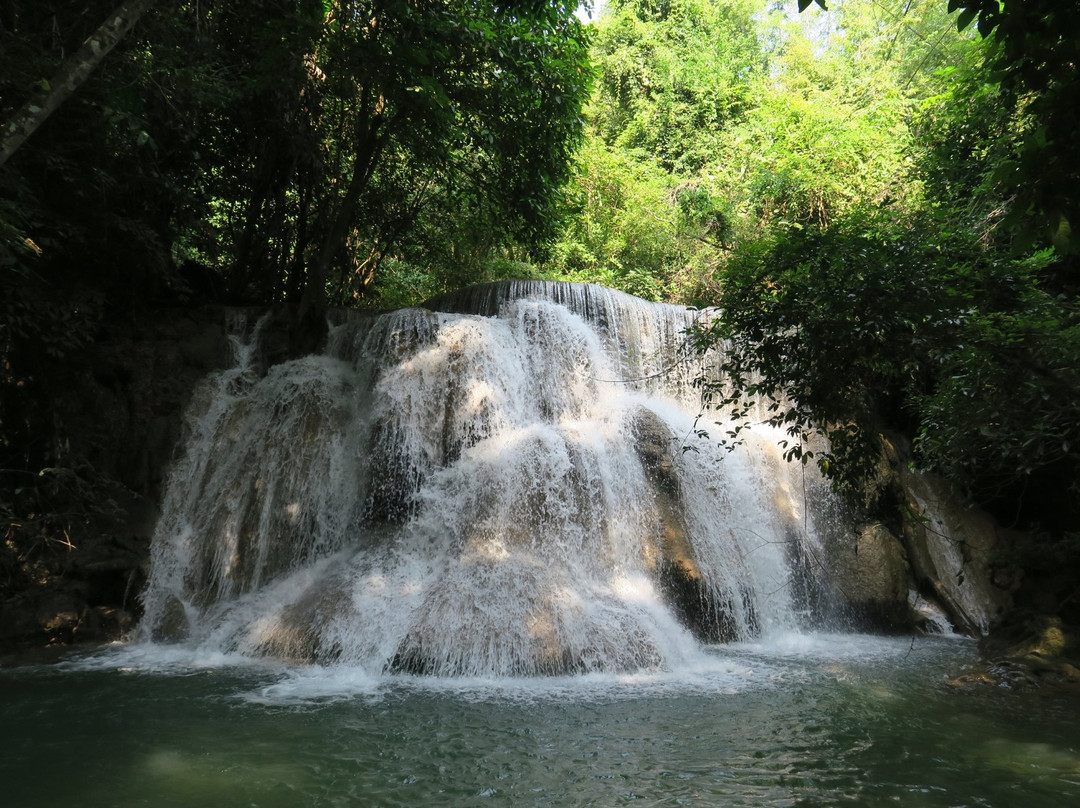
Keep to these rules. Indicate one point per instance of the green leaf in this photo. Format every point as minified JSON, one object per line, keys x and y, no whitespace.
{"x":965,"y":17}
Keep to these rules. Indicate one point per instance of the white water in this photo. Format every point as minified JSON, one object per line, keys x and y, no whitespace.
{"x":466,"y":495}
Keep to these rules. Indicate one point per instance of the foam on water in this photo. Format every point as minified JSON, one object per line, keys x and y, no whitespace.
{"x":783,"y":662}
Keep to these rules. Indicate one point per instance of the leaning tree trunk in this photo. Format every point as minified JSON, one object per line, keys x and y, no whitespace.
{"x":71,"y":75}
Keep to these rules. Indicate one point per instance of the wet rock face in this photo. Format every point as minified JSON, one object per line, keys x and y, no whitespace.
{"x":550,"y":645}
{"x":952,"y":548}
{"x":872,"y":574}
{"x":173,"y":626}
{"x":670,"y":554}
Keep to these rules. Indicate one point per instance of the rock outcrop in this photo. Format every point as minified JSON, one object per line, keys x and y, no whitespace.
{"x":872,"y":574}
{"x":670,"y":554}
{"x":952,"y":550}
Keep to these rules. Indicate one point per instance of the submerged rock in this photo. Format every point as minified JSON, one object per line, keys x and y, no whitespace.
{"x":1034,"y":649}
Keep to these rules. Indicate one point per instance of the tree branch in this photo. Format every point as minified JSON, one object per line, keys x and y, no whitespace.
{"x":70,"y":77}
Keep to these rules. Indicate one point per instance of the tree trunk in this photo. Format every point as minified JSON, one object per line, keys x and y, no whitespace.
{"x":369,"y":145}
{"x":71,"y":75}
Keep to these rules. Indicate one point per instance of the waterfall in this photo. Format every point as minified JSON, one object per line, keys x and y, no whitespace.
{"x":511,"y":481}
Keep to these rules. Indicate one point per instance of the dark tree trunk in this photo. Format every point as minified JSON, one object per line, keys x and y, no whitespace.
{"x":70,"y":77}
{"x":370,"y":141}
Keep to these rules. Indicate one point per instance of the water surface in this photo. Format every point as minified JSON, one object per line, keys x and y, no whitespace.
{"x":807,"y":721}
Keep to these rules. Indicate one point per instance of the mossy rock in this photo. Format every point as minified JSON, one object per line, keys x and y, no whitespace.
{"x":1034,"y":649}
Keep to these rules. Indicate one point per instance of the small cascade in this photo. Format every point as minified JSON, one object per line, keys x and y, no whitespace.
{"x":646,"y":340}
{"x":932,"y":616}
{"x":507,"y":482}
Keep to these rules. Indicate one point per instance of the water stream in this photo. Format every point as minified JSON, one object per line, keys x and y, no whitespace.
{"x":513,"y":492}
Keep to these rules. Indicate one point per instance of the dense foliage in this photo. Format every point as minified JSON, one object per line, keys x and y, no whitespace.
{"x":1034,"y":59}
{"x":879,"y":200}
{"x":858,"y":329}
{"x":266,"y":148}
{"x":948,"y":314}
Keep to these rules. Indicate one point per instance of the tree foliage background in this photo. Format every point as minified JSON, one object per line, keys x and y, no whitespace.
{"x":879,"y":198}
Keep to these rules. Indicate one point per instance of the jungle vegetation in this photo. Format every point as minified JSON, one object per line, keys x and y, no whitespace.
{"x":878,"y":196}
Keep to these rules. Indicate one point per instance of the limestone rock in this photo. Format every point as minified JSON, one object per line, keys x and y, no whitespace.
{"x":872,"y":574}
{"x":951,"y":548}
{"x":670,"y":554}
{"x":173,"y":626}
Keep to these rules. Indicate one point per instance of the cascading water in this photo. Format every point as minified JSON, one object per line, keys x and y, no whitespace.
{"x":511,"y":486}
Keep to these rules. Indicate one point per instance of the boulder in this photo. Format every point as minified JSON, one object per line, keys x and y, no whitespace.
{"x":872,"y":574}
{"x":952,"y":549}
{"x":173,"y":625}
